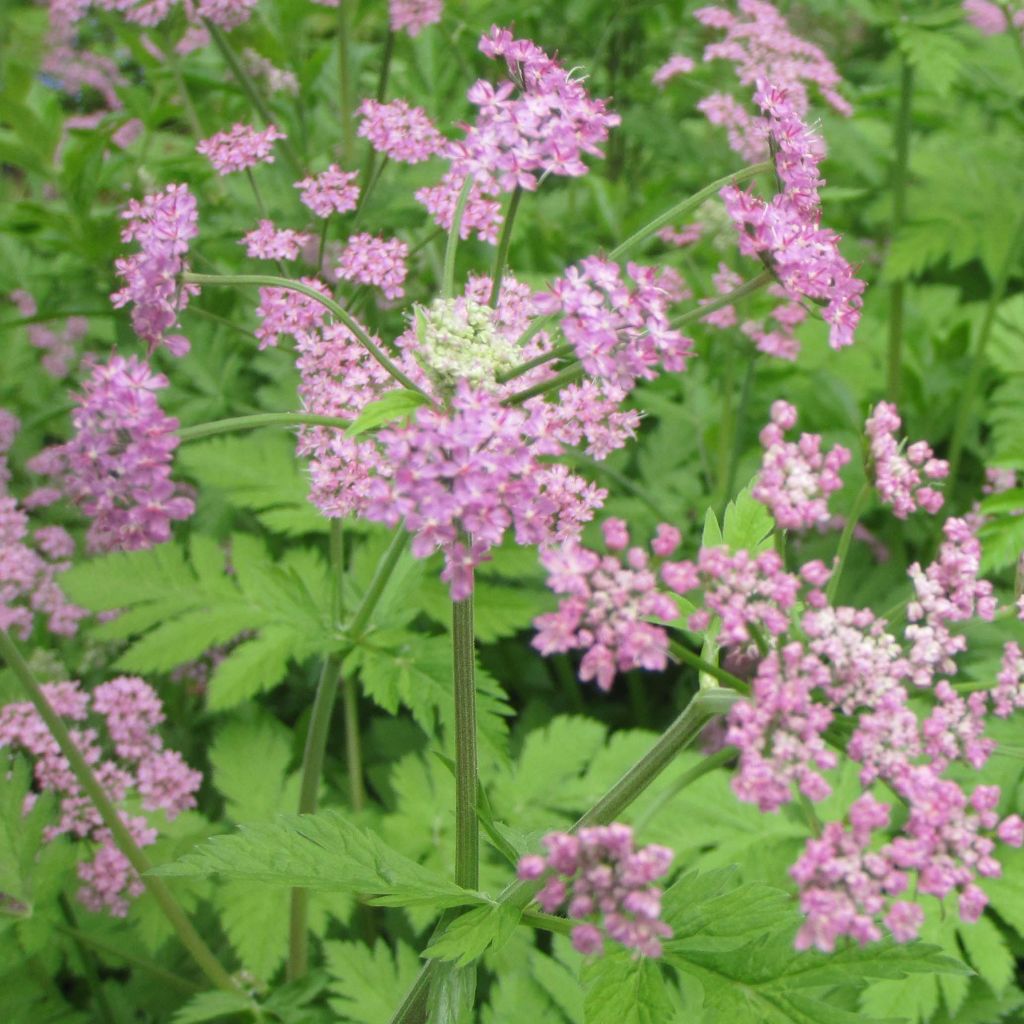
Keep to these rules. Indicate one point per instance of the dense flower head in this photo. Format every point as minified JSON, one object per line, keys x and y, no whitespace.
{"x":989,"y":19}
{"x":59,"y":345}
{"x":374,"y":260}
{"x":114,"y":727}
{"x":619,"y":326}
{"x":330,"y":191}
{"x":761,"y":46}
{"x":286,"y":311}
{"x":539,"y":121}
{"x":607,"y":600}
{"x":786,"y":231}
{"x":117,"y":466}
{"x":463,"y":477}
{"x":412,"y":16}
{"x":599,"y":876}
{"x":796,"y":477}
{"x":268,"y":242}
{"x":162,"y":223}
{"x":240,"y":147}
{"x":902,"y":478}
{"x":399,"y":131}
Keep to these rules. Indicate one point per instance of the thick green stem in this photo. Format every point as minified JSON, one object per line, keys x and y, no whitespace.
{"x":567,"y":376}
{"x":467,"y":831}
{"x":726,"y":430}
{"x":901,"y":150}
{"x":965,"y":404}
{"x":385,"y":568}
{"x":501,"y":256}
{"x":688,"y":205}
{"x":681,"y":733}
{"x":845,"y":539}
{"x":690,"y":776}
{"x":558,"y":352}
{"x":684,"y":654}
{"x":353,"y":745}
{"x":259,"y":419}
{"x":452,"y":245}
{"x":309,"y":790}
{"x":189,"y":937}
{"x":740,"y":291}
{"x":252,"y":93}
{"x":269,"y":281}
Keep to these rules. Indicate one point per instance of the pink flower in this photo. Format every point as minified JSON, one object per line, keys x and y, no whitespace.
{"x":401,"y":132}
{"x":376,"y":261}
{"x":988,"y":18}
{"x":240,"y":148}
{"x":412,"y":16}
{"x":677,"y":64}
{"x":270,"y":243}
{"x":331,"y":191}
{"x":902,"y":479}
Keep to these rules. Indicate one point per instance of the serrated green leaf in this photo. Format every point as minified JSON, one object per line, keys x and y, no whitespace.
{"x":747,"y":525}
{"x":255,"y":920}
{"x":394,"y":405}
{"x":621,"y":990}
{"x":213,"y":1006}
{"x":252,"y":667}
{"x":324,"y":852}
{"x":472,"y":933}
{"x":367,"y":984}
{"x":250,"y":759}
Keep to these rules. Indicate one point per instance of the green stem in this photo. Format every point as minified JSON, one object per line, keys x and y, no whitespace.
{"x":385,"y":568}
{"x":547,"y":922}
{"x":740,"y":291}
{"x":741,"y":421}
{"x":104,"y":1011}
{"x":687,"y":205}
{"x":467,"y":831}
{"x":348,"y":127}
{"x":965,"y":402}
{"x":259,"y":419}
{"x":385,"y":67}
{"x":624,"y":481}
{"x":690,"y":776}
{"x":681,"y":733}
{"x":353,"y":745}
{"x":189,"y":937}
{"x":845,"y":538}
{"x":150,"y":967}
{"x":452,"y":245}
{"x":191,"y":114}
{"x":684,"y":654}
{"x":726,"y":430}
{"x":558,"y":352}
{"x":252,"y":93}
{"x":567,"y":376}
{"x":269,"y":281}
{"x":501,"y":256}
{"x":901,"y":149}
{"x":309,"y":789}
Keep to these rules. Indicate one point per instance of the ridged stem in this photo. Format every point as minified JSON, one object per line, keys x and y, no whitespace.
{"x":467,"y":830}
{"x":845,"y":539}
{"x":501,"y":256}
{"x":901,"y":150}
{"x":260,"y":419}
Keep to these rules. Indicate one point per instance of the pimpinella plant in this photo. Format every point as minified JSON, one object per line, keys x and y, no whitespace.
{"x":811,"y":813}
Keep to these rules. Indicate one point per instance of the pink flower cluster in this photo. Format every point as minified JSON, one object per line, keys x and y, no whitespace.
{"x":117,"y":467}
{"x":268,"y":242}
{"x":412,"y":16}
{"x":787,"y":230}
{"x":683,"y":236}
{"x":796,"y":477}
{"x":149,"y":13}
{"x":61,"y":345}
{"x":129,"y":760}
{"x":619,"y":328}
{"x":902,"y":480}
{"x":758,"y":41}
{"x":606,"y":604}
{"x":516,"y":138}
{"x":240,"y":148}
{"x":677,"y":64}
{"x":163,"y":224}
{"x":401,"y":132}
{"x":375,"y":260}
{"x":285,"y":311}
{"x":991,"y":19}
{"x":598,"y":872}
{"x":330,"y":191}
{"x":28,"y":566}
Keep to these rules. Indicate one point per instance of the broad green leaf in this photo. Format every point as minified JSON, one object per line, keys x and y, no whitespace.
{"x":250,"y":759}
{"x":20,"y":839}
{"x":324,"y":852}
{"x":452,"y":995}
{"x":472,"y":933}
{"x":368,"y":983}
{"x":747,"y":525}
{"x":255,"y":920}
{"x":394,"y":405}
{"x":623,"y":990}
{"x":214,"y":1006}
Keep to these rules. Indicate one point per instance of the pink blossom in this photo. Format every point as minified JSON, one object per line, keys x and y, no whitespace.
{"x":412,"y":16}
{"x":902,"y":479}
{"x":401,"y":132}
{"x":240,"y":148}
{"x":375,"y":260}
{"x":331,"y":191}
{"x":988,"y":18}
{"x":677,"y":64}
{"x":268,"y":242}
{"x":683,"y":236}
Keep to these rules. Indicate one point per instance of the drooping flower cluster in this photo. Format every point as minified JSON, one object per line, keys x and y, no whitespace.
{"x":539,"y":121}
{"x":902,"y":480}
{"x":606,"y":604}
{"x":786,"y":231}
{"x":114,"y":727}
{"x":240,"y":147}
{"x":28,"y":566}
{"x":399,"y":131}
{"x":117,"y":466}
{"x":163,"y":224}
{"x":330,"y":191}
{"x":677,"y":64}
{"x":268,"y":242}
{"x":618,"y":327}
{"x":796,"y":477}
{"x":374,"y":260}
{"x":599,"y":876}
{"x":412,"y":16}
{"x":60,"y":346}
{"x":759,"y":42}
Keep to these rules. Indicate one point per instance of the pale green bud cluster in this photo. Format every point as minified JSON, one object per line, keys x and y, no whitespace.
{"x":459,"y":341}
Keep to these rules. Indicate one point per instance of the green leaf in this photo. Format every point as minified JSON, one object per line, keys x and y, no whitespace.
{"x":324,"y":852}
{"x":213,"y":1006}
{"x":255,"y":920}
{"x":472,"y":933}
{"x":394,"y":405}
{"x":20,"y":840}
{"x":621,"y":990}
{"x":367,"y":983}
{"x":452,"y":995}
{"x":748,"y":524}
